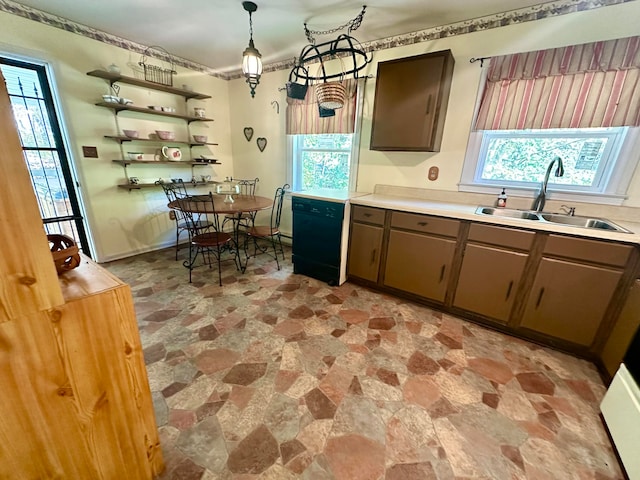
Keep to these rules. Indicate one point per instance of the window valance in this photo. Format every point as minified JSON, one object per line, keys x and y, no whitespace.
{"x":579,"y":86}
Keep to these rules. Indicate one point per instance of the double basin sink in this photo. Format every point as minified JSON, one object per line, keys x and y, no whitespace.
{"x":556,"y":218}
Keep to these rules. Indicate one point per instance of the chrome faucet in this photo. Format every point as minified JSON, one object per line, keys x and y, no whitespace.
{"x":538,"y":203}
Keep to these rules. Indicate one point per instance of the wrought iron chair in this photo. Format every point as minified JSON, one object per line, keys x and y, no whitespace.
{"x":245,"y":219}
{"x":269,"y":233}
{"x":201,"y":224}
{"x":210,"y":243}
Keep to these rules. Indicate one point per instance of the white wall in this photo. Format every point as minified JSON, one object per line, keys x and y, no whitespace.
{"x":122,"y":223}
{"x":410,"y":169}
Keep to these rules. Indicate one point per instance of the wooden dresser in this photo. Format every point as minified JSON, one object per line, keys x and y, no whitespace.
{"x":75,"y":399}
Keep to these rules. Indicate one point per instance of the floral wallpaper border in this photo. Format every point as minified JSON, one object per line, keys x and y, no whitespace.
{"x":530,"y":14}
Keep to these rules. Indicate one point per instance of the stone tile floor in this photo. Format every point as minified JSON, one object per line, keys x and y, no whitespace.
{"x":279,"y":376}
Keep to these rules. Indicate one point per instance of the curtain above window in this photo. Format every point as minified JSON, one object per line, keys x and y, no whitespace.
{"x":303,"y":116}
{"x":580,"y":86}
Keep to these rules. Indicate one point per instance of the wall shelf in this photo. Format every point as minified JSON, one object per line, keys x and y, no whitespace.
{"x":124,"y":163}
{"x":140,"y":186}
{"x":115,"y":78}
{"x":119,"y":107}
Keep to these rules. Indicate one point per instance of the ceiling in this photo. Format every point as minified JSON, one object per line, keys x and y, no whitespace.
{"x":215,"y":32}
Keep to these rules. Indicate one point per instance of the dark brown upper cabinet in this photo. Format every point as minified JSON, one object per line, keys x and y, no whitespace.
{"x":411,"y":101}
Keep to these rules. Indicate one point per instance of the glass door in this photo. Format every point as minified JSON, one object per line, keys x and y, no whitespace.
{"x":44,"y":150}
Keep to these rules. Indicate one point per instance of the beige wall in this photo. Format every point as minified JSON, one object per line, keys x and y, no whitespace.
{"x":410,"y":169}
{"x":124,"y":223}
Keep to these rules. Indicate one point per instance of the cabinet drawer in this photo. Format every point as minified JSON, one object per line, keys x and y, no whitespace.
{"x":425,"y":223}
{"x":500,"y":236}
{"x":589,"y":250}
{"x":374,"y":216}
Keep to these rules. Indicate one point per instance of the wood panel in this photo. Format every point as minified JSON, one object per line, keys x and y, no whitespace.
{"x":75,"y":402}
{"x":28,"y":281}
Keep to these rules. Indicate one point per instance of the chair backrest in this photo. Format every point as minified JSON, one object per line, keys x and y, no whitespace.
{"x":193,"y":218}
{"x":170,"y":189}
{"x":276,"y":210}
{"x":247,"y":186}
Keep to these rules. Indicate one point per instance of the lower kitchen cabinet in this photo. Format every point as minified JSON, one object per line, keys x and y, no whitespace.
{"x":555,"y":289}
{"x":365,"y":249}
{"x":568,"y":300}
{"x":489,"y":280}
{"x":492,"y":268}
{"x":419,"y":264}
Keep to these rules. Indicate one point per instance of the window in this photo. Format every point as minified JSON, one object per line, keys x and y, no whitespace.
{"x":322,"y":161}
{"x":594,"y":160}
{"x":41,"y":137}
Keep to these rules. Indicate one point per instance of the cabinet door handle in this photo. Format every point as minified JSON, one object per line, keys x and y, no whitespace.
{"x":423,"y":224}
{"x":428,"y":105}
{"x":442,"y":273}
{"x":540,"y":297}
{"x":367,"y":215}
{"x":509,"y":290}
{"x":374,"y":253}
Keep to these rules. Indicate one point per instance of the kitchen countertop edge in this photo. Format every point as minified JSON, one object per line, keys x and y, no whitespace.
{"x":467,"y":212}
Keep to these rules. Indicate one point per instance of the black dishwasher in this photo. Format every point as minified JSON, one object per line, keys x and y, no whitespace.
{"x":317,"y":231}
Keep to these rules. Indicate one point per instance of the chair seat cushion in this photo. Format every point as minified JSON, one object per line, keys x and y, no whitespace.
{"x":211,"y":239}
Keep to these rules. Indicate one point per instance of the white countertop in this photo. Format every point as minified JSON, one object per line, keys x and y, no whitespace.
{"x":467,"y":212}
{"x":328,"y":194}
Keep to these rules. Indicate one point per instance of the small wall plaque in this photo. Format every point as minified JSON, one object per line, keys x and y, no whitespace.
{"x":89,"y":152}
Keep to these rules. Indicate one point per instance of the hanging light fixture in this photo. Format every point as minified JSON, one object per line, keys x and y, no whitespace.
{"x":251,"y":63}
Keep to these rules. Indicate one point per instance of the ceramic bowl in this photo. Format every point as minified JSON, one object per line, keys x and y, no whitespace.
{"x":200,"y":138}
{"x":168,"y":109}
{"x":110,"y":98}
{"x":134,"y":155}
{"x":155,"y":107}
{"x":165,"y":135}
{"x":131,"y":133}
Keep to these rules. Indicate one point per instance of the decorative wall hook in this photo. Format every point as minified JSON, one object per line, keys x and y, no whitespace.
{"x":276,"y":105}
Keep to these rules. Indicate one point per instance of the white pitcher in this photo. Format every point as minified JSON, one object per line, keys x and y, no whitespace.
{"x":172,"y":153}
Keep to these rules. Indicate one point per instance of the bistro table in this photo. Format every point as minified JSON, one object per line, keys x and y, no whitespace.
{"x":241,"y":204}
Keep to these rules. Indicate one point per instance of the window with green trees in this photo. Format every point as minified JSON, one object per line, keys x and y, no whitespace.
{"x":518,"y":159}
{"x":321,"y":161}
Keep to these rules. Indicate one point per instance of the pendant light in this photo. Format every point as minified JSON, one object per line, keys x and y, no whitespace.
{"x":251,"y":63}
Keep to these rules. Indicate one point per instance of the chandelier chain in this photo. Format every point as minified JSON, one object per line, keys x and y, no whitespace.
{"x":352,"y":25}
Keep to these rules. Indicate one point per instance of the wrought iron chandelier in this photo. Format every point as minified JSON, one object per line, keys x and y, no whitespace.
{"x":251,"y":57}
{"x":344,"y":46}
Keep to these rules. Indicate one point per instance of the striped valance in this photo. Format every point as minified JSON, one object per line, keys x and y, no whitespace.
{"x":303,"y":115}
{"x":579,"y":86}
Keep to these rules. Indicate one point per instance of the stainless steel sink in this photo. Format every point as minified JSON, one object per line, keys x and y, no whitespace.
{"x":507,"y":212}
{"x":583,"y":222}
{"x":557,"y":218}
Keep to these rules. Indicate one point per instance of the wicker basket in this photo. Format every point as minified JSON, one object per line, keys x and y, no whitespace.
{"x":154,"y":73}
{"x":64,"y":251}
{"x":331,"y":95}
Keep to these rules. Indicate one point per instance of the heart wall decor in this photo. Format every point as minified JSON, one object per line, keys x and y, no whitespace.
{"x":248,"y":133}
{"x":262,"y":143}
